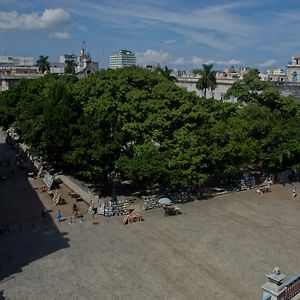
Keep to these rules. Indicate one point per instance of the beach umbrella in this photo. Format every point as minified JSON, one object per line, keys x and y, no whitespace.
{"x":164,"y":201}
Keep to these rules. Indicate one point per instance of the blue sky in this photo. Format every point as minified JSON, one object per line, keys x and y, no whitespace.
{"x":182,"y":34}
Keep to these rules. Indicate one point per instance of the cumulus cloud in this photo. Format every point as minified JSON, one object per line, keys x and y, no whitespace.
{"x":154,"y":57}
{"x":268,"y":63}
{"x":199,"y":61}
{"x":225,"y":63}
{"x":233,"y":62}
{"x":180,"y":61}
{"x":50,"y":18}
{"x":62,"y":35}
{"x":196,"y":60}
{"x":151,"y":56}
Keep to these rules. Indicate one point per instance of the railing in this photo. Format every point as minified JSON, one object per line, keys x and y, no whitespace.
{"x":292,"y":287}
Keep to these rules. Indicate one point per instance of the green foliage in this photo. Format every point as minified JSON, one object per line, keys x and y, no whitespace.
{"x":207,"y":80}
{"x":43,"y":64}
{"x":247,"y":89}
{"x":139,"y":123}
{"x":166,"y":72}
{"x":69,"y":67}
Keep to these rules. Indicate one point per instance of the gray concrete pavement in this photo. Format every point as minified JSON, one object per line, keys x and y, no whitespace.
{"x":220,"y":248}
{"x":75,"y":187}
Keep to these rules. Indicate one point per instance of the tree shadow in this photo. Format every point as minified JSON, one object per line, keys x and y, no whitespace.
{"x":30,"y":235}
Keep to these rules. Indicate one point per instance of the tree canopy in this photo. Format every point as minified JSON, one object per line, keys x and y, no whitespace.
{"x":70,"y":66}
{"x":43,"y":64}
{"x":166,"y":72}
{"x":141,"y":124}
{"x":207,"y":80}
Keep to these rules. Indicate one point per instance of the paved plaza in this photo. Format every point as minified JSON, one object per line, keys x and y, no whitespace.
{"x":220,"y":248}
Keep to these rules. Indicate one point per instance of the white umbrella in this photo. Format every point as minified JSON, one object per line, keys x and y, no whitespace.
{"x":164,"y":201}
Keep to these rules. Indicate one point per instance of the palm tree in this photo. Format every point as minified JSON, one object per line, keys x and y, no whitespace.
{"x":43,"y":64}
{"x":207,"y":79}
{"x":70,"y":66}
{"x":166,"y":72}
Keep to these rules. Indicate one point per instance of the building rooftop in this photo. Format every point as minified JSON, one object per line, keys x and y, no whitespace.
{"x":123,"y":52}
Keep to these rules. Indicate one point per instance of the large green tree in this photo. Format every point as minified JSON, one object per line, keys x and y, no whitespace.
{"x":166,"y":72}
{"x":138,"y":123}
{"x":43,"y":64}
{"x":70,"y":66}
{"x":248,"y":88}
{"x":207,"y":79}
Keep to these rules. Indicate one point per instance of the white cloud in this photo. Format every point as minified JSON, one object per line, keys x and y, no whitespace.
{"x":291,"y":15}
{"x":151,"y":56}
{"x":233,"y":62}
{"x":226,"y":62}
{"x":196,"y":60}
{"x":62,"y":35}
{"x":179,"y":61}
{"x":211,"y":25}
{"x":268,"y":63}
{"x":50,"y":18}
{"x":170,"y":41}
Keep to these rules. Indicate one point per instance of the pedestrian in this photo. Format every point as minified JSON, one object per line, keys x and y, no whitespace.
{"x":75,"y":211}
{"x":58,"y":216}
{"x":91,"y":207}
{"x":44,"y":214}
{"x":294,"y":193}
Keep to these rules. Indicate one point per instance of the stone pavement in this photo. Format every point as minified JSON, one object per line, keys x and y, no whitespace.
{"x":74,"y":186}
{"x":21,"y":198}
{"x":220,"y":248}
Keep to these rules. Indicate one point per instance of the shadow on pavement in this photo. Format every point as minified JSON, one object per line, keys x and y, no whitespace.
{"x":30,"y":237}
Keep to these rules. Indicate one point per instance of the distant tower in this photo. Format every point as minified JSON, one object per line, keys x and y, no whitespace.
{"x":83,"y":46}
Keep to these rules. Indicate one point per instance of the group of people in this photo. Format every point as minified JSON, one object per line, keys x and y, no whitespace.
{"x":75,"y":213}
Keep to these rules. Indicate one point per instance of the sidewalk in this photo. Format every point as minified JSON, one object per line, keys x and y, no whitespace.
{"x":75,"y":187}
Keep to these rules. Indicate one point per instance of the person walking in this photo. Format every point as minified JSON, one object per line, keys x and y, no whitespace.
{"x":58,"y":216}
{"x":44,"y":214}
{"x":75,"y":211}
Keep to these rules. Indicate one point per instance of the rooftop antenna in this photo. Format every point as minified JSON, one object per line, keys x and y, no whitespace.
{"x":83,"y":45}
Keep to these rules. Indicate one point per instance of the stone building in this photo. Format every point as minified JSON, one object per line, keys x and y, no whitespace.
{"x":293,"y":69}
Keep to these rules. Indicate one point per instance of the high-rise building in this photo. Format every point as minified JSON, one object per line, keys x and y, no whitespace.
{"x":121,"y":58}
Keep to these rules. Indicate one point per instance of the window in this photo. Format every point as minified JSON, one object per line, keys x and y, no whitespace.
{"x":294,"y":76}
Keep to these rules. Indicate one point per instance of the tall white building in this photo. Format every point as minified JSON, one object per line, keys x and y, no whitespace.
{"x":121,"y":58}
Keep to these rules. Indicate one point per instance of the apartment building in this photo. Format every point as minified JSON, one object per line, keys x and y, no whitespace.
{"x":122,"y":58}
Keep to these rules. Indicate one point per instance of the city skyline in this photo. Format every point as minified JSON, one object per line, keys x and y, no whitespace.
{"x":179,"y":34}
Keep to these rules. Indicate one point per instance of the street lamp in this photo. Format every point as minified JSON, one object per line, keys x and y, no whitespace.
{"x":114,"y":177}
